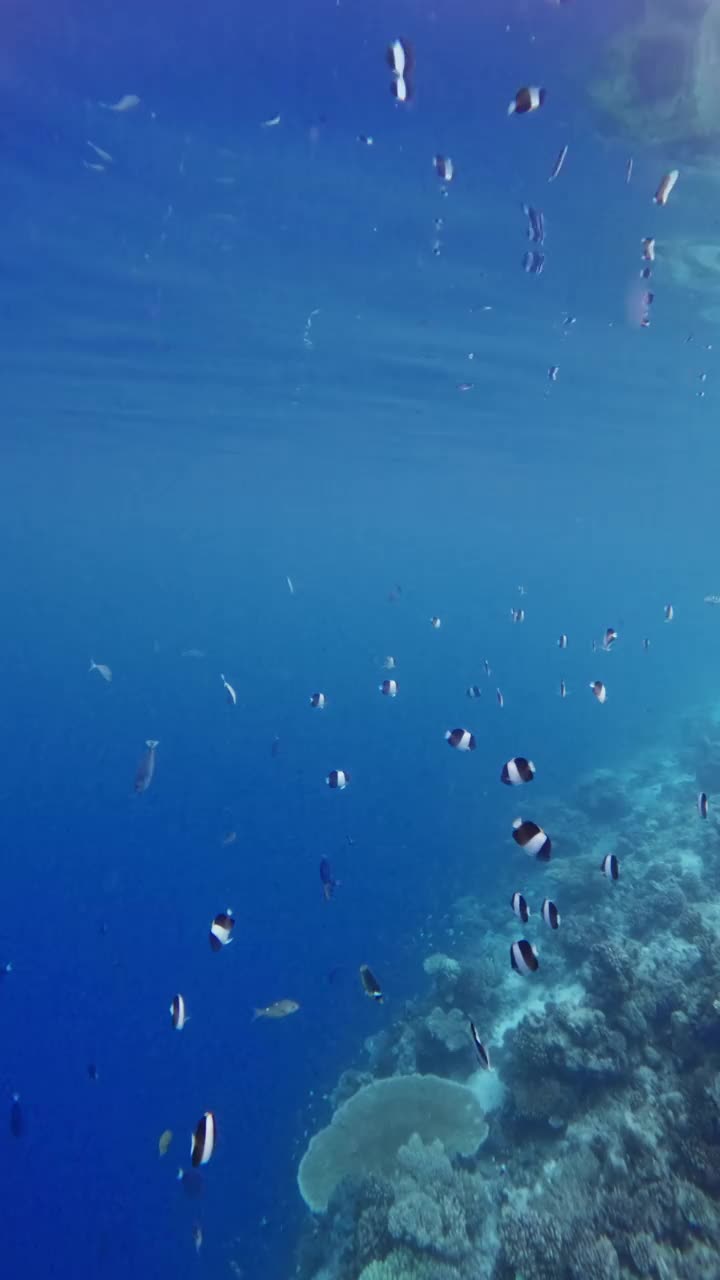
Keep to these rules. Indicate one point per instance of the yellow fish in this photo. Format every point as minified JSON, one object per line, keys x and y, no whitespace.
{"x":164,"y":1141}
{"x":280,"y":1009}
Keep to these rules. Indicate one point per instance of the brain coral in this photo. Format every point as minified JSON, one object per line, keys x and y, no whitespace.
{"x":367,"y":1131}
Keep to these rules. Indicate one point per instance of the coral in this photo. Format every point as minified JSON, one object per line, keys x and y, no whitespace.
{"x":425,"y":1163}
{"x":416,"y":1220}
{"x":367,"y":1131}
{"x":592,"y":1258}
{"x":450,"y":1028}
{"x":532,"y":1243}
{"x":442,"y":966}
{"x":643,"y":1253}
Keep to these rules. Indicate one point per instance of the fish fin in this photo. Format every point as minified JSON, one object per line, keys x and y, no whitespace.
{"x":93,"y":665}
{"x":257,"y":1013}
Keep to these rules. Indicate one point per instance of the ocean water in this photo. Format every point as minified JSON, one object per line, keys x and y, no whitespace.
{"x":230,"y":357}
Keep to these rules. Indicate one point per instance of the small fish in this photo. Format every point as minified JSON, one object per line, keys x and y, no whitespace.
{"x":563,"y":642}
{"x":563,"y":689}
{"x":648,"y":248}
{"x":517,"y":771}
{"x":337,"y":779}
{"x":401,"y":61}
{"x":533,"y":263}
{"x":202,"y":1143}
{"x":178,"y":1012}
{"x":327,"y":879}
{"x":524,"y":957}
{"x":271,"y":123}
{"x":291,"y":588}
{"x":646,"y":644}
{"x":599,"y":690}
{"x":517,"y":615}
{"x":366,"y":139}
{"x":444,"y":168}
{"x":486,"y":665}
{"x":280,"y":1009}
{"x":197,"y":1236}
{"x":520,"y":907}
{"x":525,"y":100}
{"x":473,"y":691}
{"x":92,"y":1071}
{"x":532,"y":839}
{"x":229,"y":838}
{"x":461,"y":739}
{"x":5,"y":969}
{"x":127,"y":103}
{"x":610,"y":866}
{"x":559,"y":163}
{"x":536,"y":224}
{"x":609,"y":639}
{"x":482,"y":1053}
{"x":370,"y":984}
{"x":711,"y":599}
{"x":146,"y":768}
{"x":193,"y":653}
{"x":553,"y":372}
{"x":17,"y":1117}
{"x":318,"y":700}
{"x":105,"y":672}
{"x":221,"y":930}
{"x":550,"y":914}
{"x":669,"y":613}
{"x":667,"y":182}
{"x":389,"y":663}
{"x":629,"y":169}
{"x":164,"y":1141}
{"x":702,"y":804}
{"x":499,"y":697}
{"x":435,"y":623}
{"x":94,"y":166}
{"x":104,"y":155}
{"x":389,"y":688}
{"x":230,"y":692}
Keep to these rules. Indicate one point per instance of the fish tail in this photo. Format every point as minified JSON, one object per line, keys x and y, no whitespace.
{"x":93,"y":664}
{"x":152,"y":743}
{"x":258,"y":1013}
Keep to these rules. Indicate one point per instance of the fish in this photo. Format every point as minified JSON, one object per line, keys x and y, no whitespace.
{"x":230,"y":692}
{"x":366,"y":139}
{"x":669,"y":613}
{"x":193,"y":653}
{"x":389,"y":663}
{"x":318,"y":700}
{"x":389,"y":688}
{"x":370,"y":984}
{"x":105,"y":671}
{"x":559,"y":162}
{"x":610,"y":867}
{"x":17,"y":1117}
{"x":499,"y":697}
{"x":92,"y":1071}
{"x":524,"y":957}
{"x":337,"y":779}
{"x":221,"y":930}
{"x":291,"y":588}
{"x":94,"y":166}
{"x":520,"y":907}
{"x":532,"y":839}
{"x":444,"y":168}
{"x":146,"y":768}
{"x":599,"y":690}
{"x":533,"y":263}
{"x":648,"y":248}
{"x":191,"y":1182}
{"x":711,"y":599}
{"x":702,"y":804}
{"x":536,"y":224}
{"x":280,"y":1009}
{"x":401,"y":60}
{"x":646,"y":644}
{"x":435,"y":623}
{"x":563,"y":642}
{"x":665,"y":186}
{"x":164,"y":1141}
{"x":527,"y":99}
{"x":271,"y":123}
{"x":486,"y":665}
{"x":482,"y":1053}
{"x":461,"y":739}
{"x":127,"y":103}
{"x":197,"y":1236}
{"x":229,"y":838}
{"x":550,"y":914}
{"x":328,"y":881}
{"x":5,"y":969}
{"x":553,"y":372}
{"x":517,"y":615}
{"x":629,"y":169}
{"x":104,"y":155}
{"x":473,"y":691}
{"x":178,"y":1012}
{"x":609,"y":639}
{"x":202,"y":1143}
{"x":563,"y":689}
{"x":517,"y":771}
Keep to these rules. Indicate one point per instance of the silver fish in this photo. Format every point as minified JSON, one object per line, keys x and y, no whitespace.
{"x":146,"y":767}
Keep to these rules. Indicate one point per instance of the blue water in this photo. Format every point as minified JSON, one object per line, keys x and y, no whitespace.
{"x":176,"y":440}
